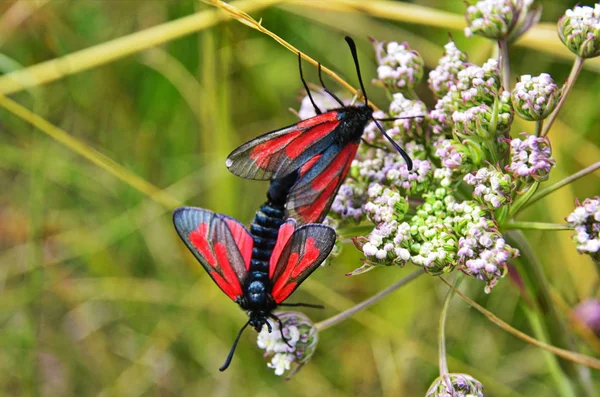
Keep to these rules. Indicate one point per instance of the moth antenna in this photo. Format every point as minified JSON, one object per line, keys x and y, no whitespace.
{"x":406,"y":157}
{"x":232,"y":350}
{"x":303,"y":304}
{"x":400,"y":118}
{"x":355,"y":57}
{"x":281,"y":329}
{"x":317,"y":110}
{"x":326,"y":90}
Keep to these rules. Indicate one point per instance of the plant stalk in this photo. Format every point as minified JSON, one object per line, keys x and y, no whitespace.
{"x":368,"y":302}
{"x":575,"y":70}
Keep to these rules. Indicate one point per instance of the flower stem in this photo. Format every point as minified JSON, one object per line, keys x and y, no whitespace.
{"x":575,"y":70}
{"x":555,"y":186}
{"x":442,"y":329}
{"x":539,"y":127}
{"x":569,"y":355}
{"x":338,"y":318}
{"x":536,"y":226}
{"x":505,"y":64}
{"x":558,"y":333}
{"x":522,"y":200}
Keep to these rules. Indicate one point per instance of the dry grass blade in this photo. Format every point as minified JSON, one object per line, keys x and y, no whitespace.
{"x":246,"y":19}
{"x":567,"y":355}
{"x":110,"y":51}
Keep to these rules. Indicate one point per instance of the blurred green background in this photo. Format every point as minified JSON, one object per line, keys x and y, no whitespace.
{"x":98,"y":296}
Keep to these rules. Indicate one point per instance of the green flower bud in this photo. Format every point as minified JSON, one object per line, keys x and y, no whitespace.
{"x":534,"y":98}
{"x":455,"y":385}
{"x":579,"y":30}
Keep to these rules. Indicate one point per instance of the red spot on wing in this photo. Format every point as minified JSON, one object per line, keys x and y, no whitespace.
{"x":321,"y":118}
{"x":284,"y":292}
{"x":328,"y":183}
{"x":198,"y":239}
{"x":315,"y":133}
{"x":285,"y":285}
{"x":311,"y":253}
{"x":309,"y":164}
{"x":285,"y":276}
{"x":262,"y":152}
{"x":227,"y":288}
{"x":342,"y":161}
{"x":228,"y":273}
{"x":242,"y":239}
{"x":285,"y":232}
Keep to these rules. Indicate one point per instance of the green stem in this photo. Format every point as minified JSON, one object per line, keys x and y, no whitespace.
{"x":505,"y":64}
{"x":338,"y":318}
{"x":536,"y":226}
{"x":442,"y":329}
{"x":557,"y":330}
{"x":557,"y":185}
{"x":522,"y":200}
{"x":354,"y":231}
{"x":575,"y":70}
{"x":539,"y":127}
{"x":565,"y":388}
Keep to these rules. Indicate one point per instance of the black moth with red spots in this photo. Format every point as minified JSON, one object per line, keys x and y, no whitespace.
{"x":316,"y":152}
{"x":258,"y":269}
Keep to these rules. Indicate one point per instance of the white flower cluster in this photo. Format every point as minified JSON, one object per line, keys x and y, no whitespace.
{"x":399,"y":66}
{"x":446,"y":151}
{"x":534,"y":98}
{"x":491,"y":18}
{"x":407,"y":128}
{"x":585,"y":219}
{"x":531,"y":158}
{"x":272,"y":342}
{"x":479,"y":84}
{"x":349,"y":201}
{"x":386,"y":244}
{"x":492,"y":187}
{"x":444,"y":75}
{"x":483,"y":253}
{"x":385,"y":204}
{"x":579,"y":30}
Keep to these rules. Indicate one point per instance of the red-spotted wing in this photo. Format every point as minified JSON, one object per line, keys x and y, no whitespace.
{"x":279,"y":153}
{"x":297,"y":253}
{"x":319,"y":180}
{"x":221,"y":244}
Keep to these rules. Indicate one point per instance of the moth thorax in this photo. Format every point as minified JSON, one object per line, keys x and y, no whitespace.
{"x":256,"y":294}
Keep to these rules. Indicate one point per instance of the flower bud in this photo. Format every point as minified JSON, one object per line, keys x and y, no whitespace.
{"x":588,"y":312}
{"x":302,"y":339}
{"x":400,"y":67}
{"x":579,"y":30}
{"x":585,"y":219}
{"x":534,"y":98}
{"x":499,"y":19}
{"x":531,"y":158}
{"x":445,"y":74}
{"x":455,"y":385}
{"x":407,"y":129}
{"x":492,"y":187}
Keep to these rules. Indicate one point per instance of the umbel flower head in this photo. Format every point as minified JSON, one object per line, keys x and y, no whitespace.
{"x":534,"y":98}
{"x":302,"y":339}
{"x":530,"y":158}
{"x":585,"y":219}
{"x":444,"y":76}
{"x":579,"y":30}
{"x":322,"y":99}
{"x":455,"y":385}
{"x":400,"y":67}
{"x":499,"y":19}
{"x":492,"y":188}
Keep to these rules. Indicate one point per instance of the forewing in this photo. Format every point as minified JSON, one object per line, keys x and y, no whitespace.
{"x":308,"y":247}
{"x":319,"y":180}
{"x":221,"y":244}
{"x":278,"y":153}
